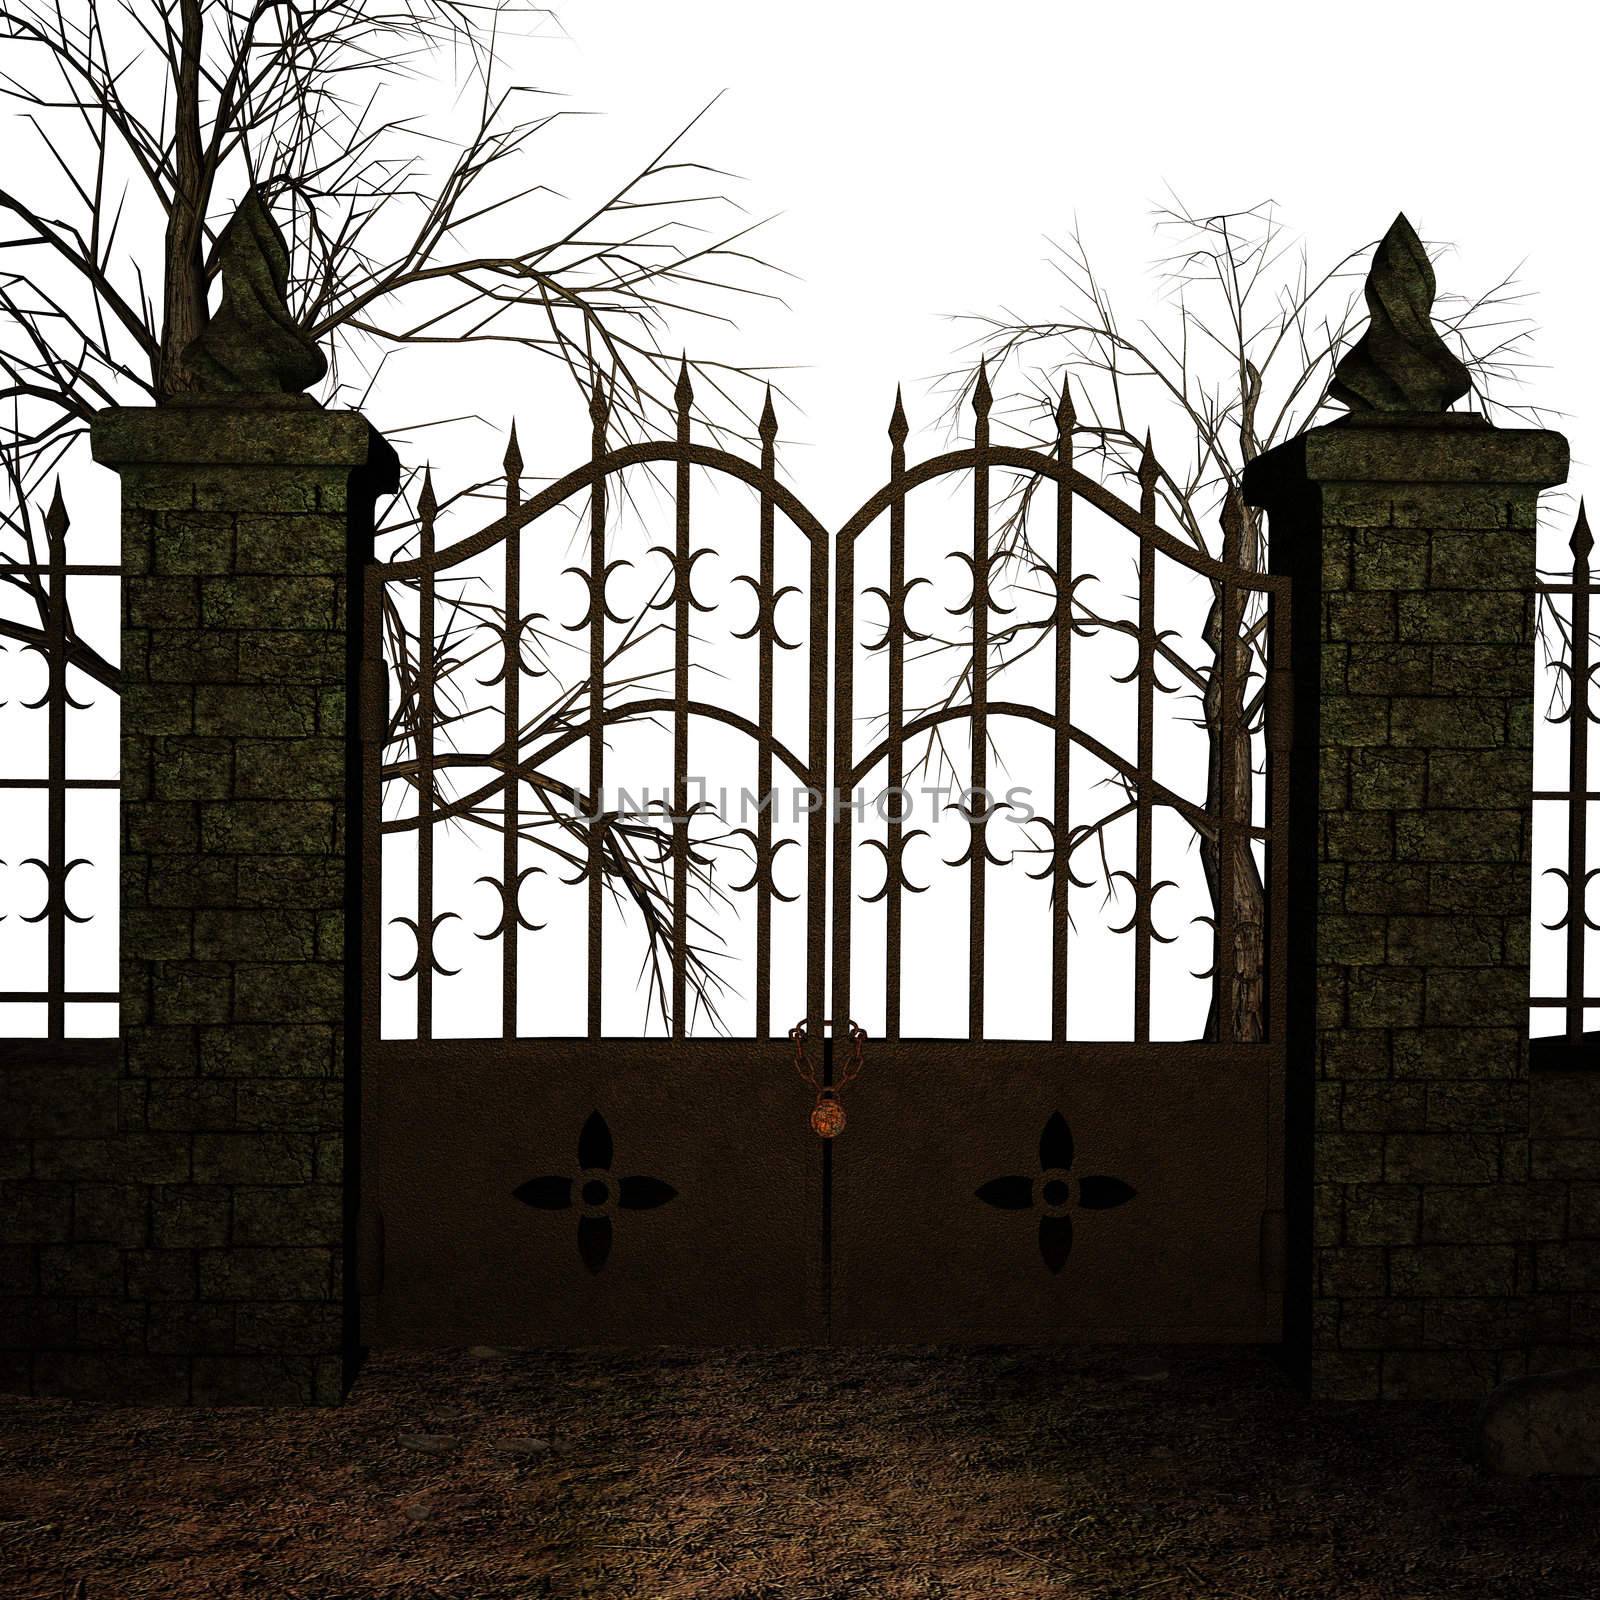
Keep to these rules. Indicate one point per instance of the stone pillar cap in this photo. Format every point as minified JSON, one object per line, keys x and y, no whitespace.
{"x":239,"y":435}
{"x":1447,"y":448}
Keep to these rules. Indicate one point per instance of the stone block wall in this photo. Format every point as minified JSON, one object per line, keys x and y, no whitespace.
{"x":64,"y":1204}
{"x":1564,"y":1266}
{"x":189,"y":1222}
{"x":1422,"y":1211}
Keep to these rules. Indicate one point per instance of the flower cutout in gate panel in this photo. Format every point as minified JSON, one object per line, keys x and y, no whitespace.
{"x":1051,"y":1193}
{"x":595,"y":1192}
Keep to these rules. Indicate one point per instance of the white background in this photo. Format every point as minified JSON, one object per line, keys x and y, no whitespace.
{"x":918,"y":156}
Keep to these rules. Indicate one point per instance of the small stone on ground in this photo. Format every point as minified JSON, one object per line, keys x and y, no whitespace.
{"x":521,"y":1447}
{"x":428,"y":1444}
{"x":1545,"y":1424}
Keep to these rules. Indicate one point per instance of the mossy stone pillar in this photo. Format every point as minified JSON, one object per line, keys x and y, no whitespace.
{"x":243,"y":530}
{"x":1410,"y":535}
{"x":206,"y":1262}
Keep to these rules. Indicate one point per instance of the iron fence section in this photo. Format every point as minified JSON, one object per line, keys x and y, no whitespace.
{"x":1574,"y":659}
{"x":47,"y":586}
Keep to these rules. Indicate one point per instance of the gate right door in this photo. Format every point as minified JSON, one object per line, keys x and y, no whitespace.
{"x":1069,"y":952}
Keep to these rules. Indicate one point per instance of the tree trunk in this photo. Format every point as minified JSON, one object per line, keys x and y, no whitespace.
{"x":184,"y":283}
{"x":1240,"y":878}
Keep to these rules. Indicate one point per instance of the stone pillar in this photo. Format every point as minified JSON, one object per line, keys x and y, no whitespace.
{"x":1410,"y":535}
{"x":204,"y":1183}
{"x":243,"y":531}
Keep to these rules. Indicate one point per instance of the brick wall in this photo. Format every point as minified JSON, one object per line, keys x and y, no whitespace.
{"x":1413,"y":550}
{"x":190,"y":1248}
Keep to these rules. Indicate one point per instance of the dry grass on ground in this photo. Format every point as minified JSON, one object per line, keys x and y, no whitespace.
{"x":889,"y":1474}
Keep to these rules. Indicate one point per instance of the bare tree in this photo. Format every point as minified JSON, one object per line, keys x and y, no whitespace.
{"x":1244,"y":364}
{"x":158,"y":114}
{"x":153,"y":118}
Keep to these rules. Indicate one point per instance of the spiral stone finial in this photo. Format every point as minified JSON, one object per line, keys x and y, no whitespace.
{"x":1400,"y":364}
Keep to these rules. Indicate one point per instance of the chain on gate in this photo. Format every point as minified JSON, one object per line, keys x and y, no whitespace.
{"x":827,"y":1115}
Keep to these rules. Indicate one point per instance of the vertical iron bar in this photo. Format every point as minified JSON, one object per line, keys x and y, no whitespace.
{"x":1582,"y":543}
{"x":765,"y":624}
{"x":1226,"y":960}
{"x":55,"y":524}
{"x":427,"y":507}
{"x":1061,"y":872}
{"x":842,"y":792}
{"x":979,"y":799}
{"x":897,"y":652}
{"x":839,"y":795}
{"x":1143,"y":876}
{"x":368,"y":1074}
{"x":374,"y":731}
{"x":819,"y":794}
{"x":597,"y":698}
{"x":510,"y":921}
{"x":1280,"y":742}
{"x":683,"y":394}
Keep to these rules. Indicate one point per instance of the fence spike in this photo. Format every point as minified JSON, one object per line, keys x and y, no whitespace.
{"x":427,"y":504}
{"x":898,"y":426}
{"x":982,"y":399}
{"x":684,"y":392}
{"x":513,"y":470}
{"x":599,"y":404}
{"x":1147,"y":479}
{"x":1147,"y":463}
{"x":769,"y":419}
{"x":1581,"y":543}
{"x":1066,"y":412}
{"x":56,"y":520}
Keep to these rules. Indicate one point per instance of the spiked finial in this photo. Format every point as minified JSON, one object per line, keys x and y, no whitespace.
{"x":769,"y":420}
{"x":683,"y":393}
{"x":981,"y":397}
{"x":1147,"y":463}
{"x":1581,"y":543}
{"x":427,"y":503}
{"x":1066,"y":413}
{"x":56,"y":519}
{"x":1147,"y":478}
{"x":513,"y":470}
{"x":599,"y":404}
{"x":1400,"y":364}
{"x":898,"y":426}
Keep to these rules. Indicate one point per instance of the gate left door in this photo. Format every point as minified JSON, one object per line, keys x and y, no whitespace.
{"x":593,"y":1187}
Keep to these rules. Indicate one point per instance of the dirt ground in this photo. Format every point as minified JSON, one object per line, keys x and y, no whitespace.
{"x":913,"y":1473}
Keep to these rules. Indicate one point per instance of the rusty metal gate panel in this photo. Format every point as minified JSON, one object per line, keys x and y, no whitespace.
{"x":1038,"y":1193}
{"x":986,"y":1186}
{"x":562,"y":1192}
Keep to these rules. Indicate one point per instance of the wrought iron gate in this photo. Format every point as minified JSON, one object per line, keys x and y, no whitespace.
{"x":601,"y":1185}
